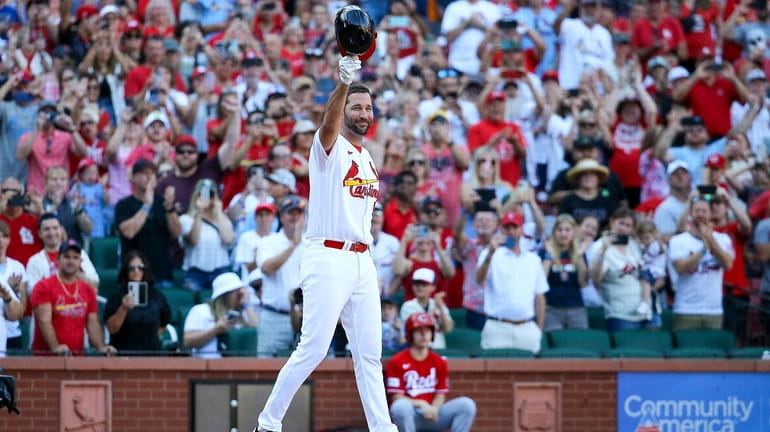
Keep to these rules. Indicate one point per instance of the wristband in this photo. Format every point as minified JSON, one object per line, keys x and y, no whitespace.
{"x":146,"y":208}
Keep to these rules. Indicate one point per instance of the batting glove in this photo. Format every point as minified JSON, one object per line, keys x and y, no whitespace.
{"x":348,"y":67}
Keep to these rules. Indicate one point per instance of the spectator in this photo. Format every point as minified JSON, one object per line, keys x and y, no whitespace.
{"x":241,"y":209}
{"x":400,"y":210}
{"x":417,"y":163}
{"x":44,"y":263}
{"x":47,"y":146}
{"x":301,"y":140}
{"x":616,"y":262}
{"x":78,"y":35}
{"x":279,"y":260}
{"x":203,"y":109}
{"x":588,"y":198}
{"x":584,"y":44}
{"x":658,"y":33}
{"x":384,"y":249}
{"x":135,"y":323}
{"x":428,"y":253}
{"x":65,"y":308}
{"x":431,"y":302}
{"x":207,"y":323}
{"x":94,"y":194}
{"x":393,"y":160}
{"x":566,"y":271}
{"x":147,"y":223}
{"x":668,"y":212}
{"x":653,"y":269}
{"x":247,"y":250}
{"x":697,"y":259}
{"x":761,"y":240}
{"x":539,"y":17}
{"x":143,"y":77}
{"x":697,"y":147}
{"x":126,"y":136}
{"x":514,"y":320}
{"x":19,"y":116}
{"x":757,"y":133}
{"x":652,"y":165}
{"x":206,"y":235}
{"x":485,"y":186}
{"x":157,"y":147}
{"x":458,"y":113}
{"x":281,"y":182}
{"x":392,"y":335}
{"x":69,"y":209}
{"x":13,"y":295}
{"x":417,"y":381}
{"x":22,"y":224}
{"x":463,"y":24}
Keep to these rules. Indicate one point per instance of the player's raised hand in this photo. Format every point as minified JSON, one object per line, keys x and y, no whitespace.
{"x":348,"y":67}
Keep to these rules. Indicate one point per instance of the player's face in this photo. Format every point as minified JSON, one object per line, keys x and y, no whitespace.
{"x":359,"y":113}
{"x":421,"y":337}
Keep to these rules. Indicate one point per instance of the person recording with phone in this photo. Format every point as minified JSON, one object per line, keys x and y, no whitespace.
{"x":514,"y":292}
{"x":428,"y":253}
{"x":138,"y":311}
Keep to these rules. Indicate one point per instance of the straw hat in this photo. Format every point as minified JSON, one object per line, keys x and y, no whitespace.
{"x":588,"y":165}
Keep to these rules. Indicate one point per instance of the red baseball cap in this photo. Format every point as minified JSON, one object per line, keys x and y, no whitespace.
{"x":550,"y":75}
{"x":86,"y":162}
{"x":716,"y":160}
{"x":512,"y":218}
{"x":132,"y":23}
{"x":86,"y":11}
{"x":199,"y":71}
{"x":185,"y":139}
{"x":265,"y":206}
{"x":495,"y":95}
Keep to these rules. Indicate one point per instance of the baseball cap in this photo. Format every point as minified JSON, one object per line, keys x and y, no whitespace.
{"x":387,"y":300}
{"x":108,"y":9}
{"x":303,"y":81}
{"x":265,"y":207}
{"x":550,"y":75}
{"x":756,"y":74}
{"x":292,"y":202}
{"x":141,"y":165}
{"x":512,"y":218}
{"x":431,"y":200}
{"x":677,"y":73}
{"x":438,"y":116}
{"x":170,"y":44}
{"x":225,"y":283}
{"x":132,"y":24}
{"x":185,"y":140}
{"x":284,"y":177}
{"x":46,"y":104}
{"x":716,"y":161}
{"x":199,"y":71}
{"x":657,"y":61}
{"x":89,"y":114}
{"x":495,"y":95}
{"x":424,"y":275}
{"x":303,"y":126}
{"x":675,"y":165}
{"x":85,"y":163}
{"x":621,"y":38}
{"x":86,"y":11}
{"x":70,"y":245}
{"x":156,"y":116}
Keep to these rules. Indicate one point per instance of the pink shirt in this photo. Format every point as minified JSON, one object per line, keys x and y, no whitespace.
{"x":47,"y":152}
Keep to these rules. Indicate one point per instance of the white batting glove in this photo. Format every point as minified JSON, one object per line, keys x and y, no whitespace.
{"x":348,"y":67}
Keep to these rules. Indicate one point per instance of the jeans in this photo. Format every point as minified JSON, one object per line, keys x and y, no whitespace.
{"x":196,"y":279}
{"x":475,"y":320}
{"x":456,"y":414}
{"x":617,"y":324}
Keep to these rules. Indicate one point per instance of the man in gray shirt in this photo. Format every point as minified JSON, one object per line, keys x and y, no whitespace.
{"x":17,"y":117}
{"x":668,"y":212}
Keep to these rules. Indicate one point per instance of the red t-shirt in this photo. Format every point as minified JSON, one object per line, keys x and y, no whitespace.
{"x":24,"y":241}
{"x":296,"y":59}
{"x":627,"y":145}
{"x":645,"y":35}
{"x":278,"y":21}
{"x":422,"y":379}
{"x":480,"y":133}
{"x":700,"y":41}
{"x":138,"y":76}
{"x":69,"y":312}
{"x":712,"y":104}
{"x":395,"y":221}
{"x":736,"y":276}
{"x":531,"y":59}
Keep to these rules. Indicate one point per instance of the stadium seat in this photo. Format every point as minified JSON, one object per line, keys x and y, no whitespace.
{"x":650,"y":340}
{"x":178,"y":315}
{"x":108,"y":282}
{"x":504,"y":353}
{"x":458,"y":316}
{"x":463,"y":339}
{"x":696,"y":353}
{"x":582,"y":339}
{"x":568,"y":353}
{"x":203,"y":296}
{"x":452,"y":353}
{"x":104,"y":252}
{"x":287,"y":352}
{"x":596,"y":318}
{"x":242,"y":342}
{"x":667,"y":319}
{"x":705,"y":338}
{"x":748,"y":352}
{"x":633,"y":353}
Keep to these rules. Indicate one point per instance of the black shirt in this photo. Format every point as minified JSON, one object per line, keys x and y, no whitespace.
{"x":152,"y":239}
{"x":612,"y":184}
{"x":600,"y":207}
{"x":139,"y":331}
{"x":563,"y":286}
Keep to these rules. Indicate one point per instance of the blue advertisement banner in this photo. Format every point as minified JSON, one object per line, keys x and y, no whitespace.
{"x":693,"y":402}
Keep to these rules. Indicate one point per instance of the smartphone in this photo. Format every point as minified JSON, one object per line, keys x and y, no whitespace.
{"x":398,"y":21}
{"x":573,"y":93}
{"x":715,"y":67}
{"x":206,"y":193}
{"x":621,"y":239}
{"x":507,"y":24}
{"x":707,"y":189}
{"x":511,"y":74}
{"x":138,"y":290}
{"x":507,"y":45}
{"x":233,"y":315}
{"x":510,"y":242}
{"x":486,"y":195}
{"x":268,"y":6}
{"x":298,"y":296}
{"x":421,"y":231}
{"x":153,"y":97}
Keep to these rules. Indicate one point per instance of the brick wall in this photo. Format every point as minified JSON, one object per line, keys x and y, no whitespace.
{"x":152,"y":394}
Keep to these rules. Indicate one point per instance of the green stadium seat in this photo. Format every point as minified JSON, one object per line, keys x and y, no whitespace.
{"x":285,"y":353}
{"x":568,"y":353}
{"x":177,"y":299}
{"x":657,"y":341}
{"x":104,"y":252}
{"x":203,"y":296}
{"x":108,"y":282}
{"x":705,"y":338}
{"x":597,"y":341}
{"x":633,"y":353}
{"x":504,"y":353}
{"x":242,"y":342}
{"x":178,"y":316}
{"x":178,"y":277}
{"x":458,"y":316}
{"x":463,"y":339}
{"x":596,"y":318}
{"x":748,"y":352}
{"x":696,"y":353}
{"x":667,"y":318}
{"x":452,"y":353}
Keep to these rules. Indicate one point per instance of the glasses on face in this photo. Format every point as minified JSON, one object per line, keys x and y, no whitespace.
{"x":416,"y":162}
{"x":281,"y":156}
{"x":492,"y":161}
{"x":257,"y":120}
{"x":136,"y":268}
{"x":447,"y":73}
{"x":587,"y":124}
{"x":133,"y":35}
{"x":432,"y":212}
{"x":186,"y":152}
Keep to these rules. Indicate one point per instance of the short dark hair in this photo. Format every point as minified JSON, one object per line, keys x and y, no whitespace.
{"x":46,"y":216}
{"x":357,"y":88}
{"x":403,"y":174}
{"x":622,"y":213}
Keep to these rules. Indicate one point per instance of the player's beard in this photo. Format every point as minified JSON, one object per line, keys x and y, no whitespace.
{"x":354,"y":126}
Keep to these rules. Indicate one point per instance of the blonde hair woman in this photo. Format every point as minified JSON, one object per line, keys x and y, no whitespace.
{"x":417,"y":162}
{"x":566,"y":269}
{"x":207,"y":233}
{"x":485,"y":183}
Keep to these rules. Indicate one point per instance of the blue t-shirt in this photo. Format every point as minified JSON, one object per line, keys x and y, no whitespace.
{"x":93,"y":205}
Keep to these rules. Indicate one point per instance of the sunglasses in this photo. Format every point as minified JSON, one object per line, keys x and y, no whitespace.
{"x":70,"y":78}
{"x":587,"y":124}
{"x":18,"y":191}
{"x":447,"y":73}
{"x":136,"y":268}
{"x":483,"y":161}
{"x":133,"y":35}
{"x":432,"y":212}
{"x":703,"y":198}
{"x":186,"y":152}
{"x":416,"y":162}
{"x":257,"y":120}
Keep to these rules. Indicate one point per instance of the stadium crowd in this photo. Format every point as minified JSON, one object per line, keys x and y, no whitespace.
{"x":536,"y":158}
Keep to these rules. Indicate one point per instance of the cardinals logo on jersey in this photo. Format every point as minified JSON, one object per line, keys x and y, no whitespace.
{"x":360,"y":187}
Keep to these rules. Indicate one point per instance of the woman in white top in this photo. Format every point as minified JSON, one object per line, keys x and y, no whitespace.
{"x":13,"y":294}
{"x":207,"y":323}
{"x":207,"y":234}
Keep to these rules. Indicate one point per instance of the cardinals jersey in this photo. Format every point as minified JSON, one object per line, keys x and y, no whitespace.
{"x":417,"y":379}
{"x":344,"y":185}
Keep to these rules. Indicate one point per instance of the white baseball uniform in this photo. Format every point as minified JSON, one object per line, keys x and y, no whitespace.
{"x":337,"y":282}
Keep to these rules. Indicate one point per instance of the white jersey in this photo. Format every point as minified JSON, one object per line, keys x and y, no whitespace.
{"x":344,"y":186}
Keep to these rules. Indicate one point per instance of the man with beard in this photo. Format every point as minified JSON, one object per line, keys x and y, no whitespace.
{"x":338,"y":276}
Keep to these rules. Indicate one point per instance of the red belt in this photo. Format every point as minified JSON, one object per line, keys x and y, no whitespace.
{"x":355,"y":247}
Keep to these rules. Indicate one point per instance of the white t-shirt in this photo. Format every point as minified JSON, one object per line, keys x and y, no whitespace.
{"x":210,"y":253}
{"x":246,"y":251}
{"x":412,"y":306}
{"x":581,"y":48}
{"x":457,"y":129}
{"x":620,"y":287}
{"x":201,"y":318}
{"x":276,"y":287}
{"x":344,"y":185}
{"x":699,"y":292}
{"x":383,"y":252}
{"x":512,"y":283}
{"x":462,"y":51}
{"x":9,"y":328}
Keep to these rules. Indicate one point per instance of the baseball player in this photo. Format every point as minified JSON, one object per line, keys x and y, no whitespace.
{"x":337,"y":275}
{"x":417,"y":380}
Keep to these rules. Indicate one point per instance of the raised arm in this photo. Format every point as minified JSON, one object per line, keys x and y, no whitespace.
{"x":332,"y":120}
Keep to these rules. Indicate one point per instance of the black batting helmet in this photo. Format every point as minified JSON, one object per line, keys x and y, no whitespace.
{"x":354,"y":28}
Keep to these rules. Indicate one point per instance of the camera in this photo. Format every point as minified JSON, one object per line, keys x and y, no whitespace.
{"x":621,"y":239}
{"x":704,"y":190}
{"x":233,"y":315}
{"x":298,"y":296}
